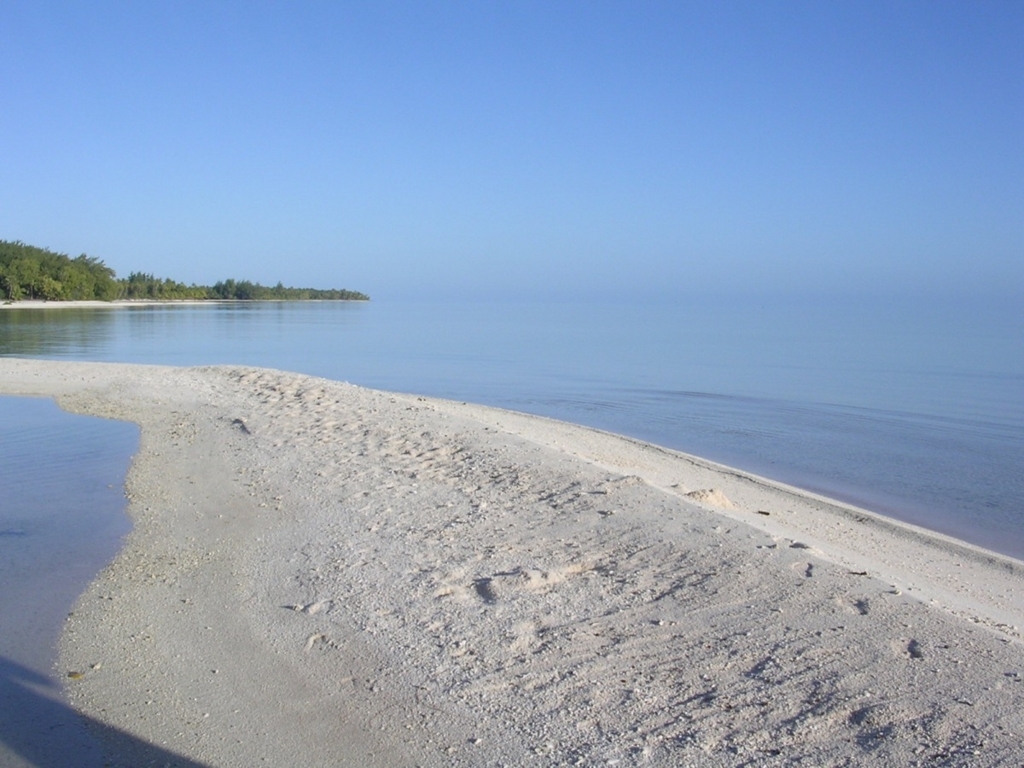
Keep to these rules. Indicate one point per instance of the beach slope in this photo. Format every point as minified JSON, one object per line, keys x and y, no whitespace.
{"x":322,"y":575}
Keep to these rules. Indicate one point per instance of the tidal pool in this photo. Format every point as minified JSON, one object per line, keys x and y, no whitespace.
{"x":62,"y":519}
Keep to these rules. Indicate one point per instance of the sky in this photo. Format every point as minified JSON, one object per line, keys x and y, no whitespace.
{"x":582,"y":149}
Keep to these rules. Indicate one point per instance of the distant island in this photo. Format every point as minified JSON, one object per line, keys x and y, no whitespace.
{"x":28,"y":272}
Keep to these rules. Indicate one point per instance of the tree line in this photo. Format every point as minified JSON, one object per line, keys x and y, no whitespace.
{"x":28,"y":272}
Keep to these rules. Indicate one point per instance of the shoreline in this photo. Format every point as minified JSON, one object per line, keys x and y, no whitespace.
{"x":321,"y":572}
{"x":122,"y":303}
{"x":115,"y":304}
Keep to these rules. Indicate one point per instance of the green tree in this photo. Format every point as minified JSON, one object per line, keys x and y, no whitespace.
{"x":28,"y":272}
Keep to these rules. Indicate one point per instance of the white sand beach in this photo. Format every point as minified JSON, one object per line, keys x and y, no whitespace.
{"x":323,"y":575}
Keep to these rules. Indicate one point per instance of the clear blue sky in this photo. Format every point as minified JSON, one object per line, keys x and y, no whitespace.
{"x":502,"y":148}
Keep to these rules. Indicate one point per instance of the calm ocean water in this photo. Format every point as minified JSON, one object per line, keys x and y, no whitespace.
{"x":913,"y":410}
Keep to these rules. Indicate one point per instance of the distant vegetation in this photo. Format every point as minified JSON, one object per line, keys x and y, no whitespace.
{"x":27,"y":272}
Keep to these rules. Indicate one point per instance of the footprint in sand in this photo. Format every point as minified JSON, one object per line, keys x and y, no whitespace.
{"x":808,"y":568}
{"x":311,"y":609}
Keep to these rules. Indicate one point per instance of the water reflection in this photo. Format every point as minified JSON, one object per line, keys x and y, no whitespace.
{"x":56,"y":332}
{"x":272,"y":334}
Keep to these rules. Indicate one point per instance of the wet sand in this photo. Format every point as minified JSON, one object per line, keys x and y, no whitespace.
{"x":322,"y":574}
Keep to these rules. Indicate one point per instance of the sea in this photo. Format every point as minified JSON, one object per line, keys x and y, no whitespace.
{"x":913,"y":408}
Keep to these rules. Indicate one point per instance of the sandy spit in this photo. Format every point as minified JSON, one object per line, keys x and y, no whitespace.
{"x":325,"y":575}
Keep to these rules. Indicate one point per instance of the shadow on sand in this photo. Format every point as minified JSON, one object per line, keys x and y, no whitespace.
{"x":44,"y":732}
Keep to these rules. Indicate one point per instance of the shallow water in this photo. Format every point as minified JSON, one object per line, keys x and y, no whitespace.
{"x":912,"y":409}
{"x":61,"y":520}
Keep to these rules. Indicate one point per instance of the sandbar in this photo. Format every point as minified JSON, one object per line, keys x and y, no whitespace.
{"x":321,"y":574}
